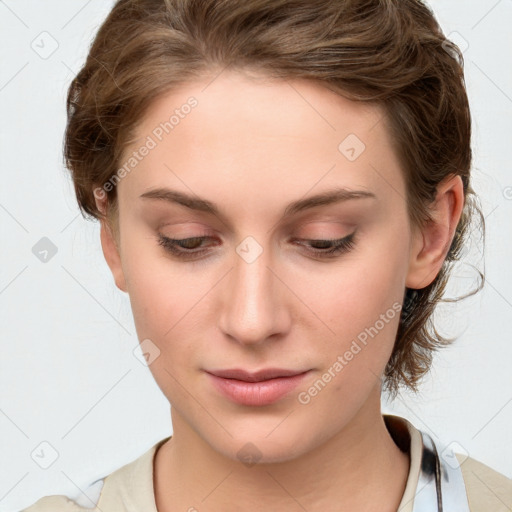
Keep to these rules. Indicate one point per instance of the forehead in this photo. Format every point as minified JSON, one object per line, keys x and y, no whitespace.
{"x":248,"y":135}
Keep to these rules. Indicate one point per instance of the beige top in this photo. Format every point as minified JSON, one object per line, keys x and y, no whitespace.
{"x":130,"y":488}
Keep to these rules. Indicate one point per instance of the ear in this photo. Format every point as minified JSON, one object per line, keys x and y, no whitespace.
{"x":110,"y":246}
{"x":432,"y":242}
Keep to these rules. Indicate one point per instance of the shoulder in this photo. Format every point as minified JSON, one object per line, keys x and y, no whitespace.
{"x":56,"y":503}
{"x":486,"y":488}
{"x":60,"y":503}
{"x":131,"y":483}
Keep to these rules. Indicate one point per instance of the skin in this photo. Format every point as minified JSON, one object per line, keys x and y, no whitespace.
{"x":252,"y":146}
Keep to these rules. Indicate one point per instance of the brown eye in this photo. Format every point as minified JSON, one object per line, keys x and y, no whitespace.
{"x":189,"y":243}
{"x":184,"y":247}
{"x":331,"y":247}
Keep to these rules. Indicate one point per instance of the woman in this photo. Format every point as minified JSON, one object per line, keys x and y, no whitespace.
{"x":282,"y":186}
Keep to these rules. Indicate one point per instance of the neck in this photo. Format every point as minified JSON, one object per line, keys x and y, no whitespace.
{"x":358,"y":468}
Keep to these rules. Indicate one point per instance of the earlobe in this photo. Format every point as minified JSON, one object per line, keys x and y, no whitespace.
{"x":432,"y":242}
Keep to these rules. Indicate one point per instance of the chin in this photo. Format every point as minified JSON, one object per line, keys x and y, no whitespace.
{"x":256,"y":446}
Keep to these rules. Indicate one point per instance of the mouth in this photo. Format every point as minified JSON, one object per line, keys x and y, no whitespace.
{"x":258,"y":376}
{"x":258,"y":388}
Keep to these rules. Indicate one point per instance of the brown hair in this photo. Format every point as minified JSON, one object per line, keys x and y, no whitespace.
{"x":389,"y":52}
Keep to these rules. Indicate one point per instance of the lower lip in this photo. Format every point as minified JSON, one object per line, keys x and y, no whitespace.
{"x":256,"y":393}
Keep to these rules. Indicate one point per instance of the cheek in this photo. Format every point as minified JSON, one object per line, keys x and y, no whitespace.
{"x":365,"y":283}
{"x":162,"y":302}
{"x":154,"y":287}
{"x":361,"y":301}
{"x":166,"y":298}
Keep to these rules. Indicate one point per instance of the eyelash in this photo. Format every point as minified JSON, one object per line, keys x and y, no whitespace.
{"x":340,"y":246}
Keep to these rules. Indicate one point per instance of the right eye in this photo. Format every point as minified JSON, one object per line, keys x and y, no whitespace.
{"x":183,"y":247}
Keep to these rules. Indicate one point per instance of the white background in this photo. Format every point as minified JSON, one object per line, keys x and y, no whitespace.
{"x":68,"y":374}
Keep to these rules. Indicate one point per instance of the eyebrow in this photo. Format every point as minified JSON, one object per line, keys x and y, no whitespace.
{"x":328,"y":197}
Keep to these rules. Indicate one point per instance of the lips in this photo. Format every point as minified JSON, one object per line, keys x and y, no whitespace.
{"x":258,"y":376}
{"x":260,"y":388}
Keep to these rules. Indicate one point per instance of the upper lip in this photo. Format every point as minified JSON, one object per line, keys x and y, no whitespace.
{"x":258,"y":376}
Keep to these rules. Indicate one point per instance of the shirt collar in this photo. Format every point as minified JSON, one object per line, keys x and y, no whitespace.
{"x":435,"y":482}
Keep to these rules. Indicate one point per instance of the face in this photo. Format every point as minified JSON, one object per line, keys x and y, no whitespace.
{"x":258,"y":283}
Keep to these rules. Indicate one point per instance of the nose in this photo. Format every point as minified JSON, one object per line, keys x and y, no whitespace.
{"x":254,"y":304}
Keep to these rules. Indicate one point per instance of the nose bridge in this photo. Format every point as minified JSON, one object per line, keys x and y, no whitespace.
{"x":252,"y":310}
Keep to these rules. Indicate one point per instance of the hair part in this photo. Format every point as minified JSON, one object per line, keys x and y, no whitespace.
{"x":385,"y":52}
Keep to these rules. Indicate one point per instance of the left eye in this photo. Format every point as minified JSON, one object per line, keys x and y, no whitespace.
{"x":186,"y":247}
{"x":332,"y":246}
